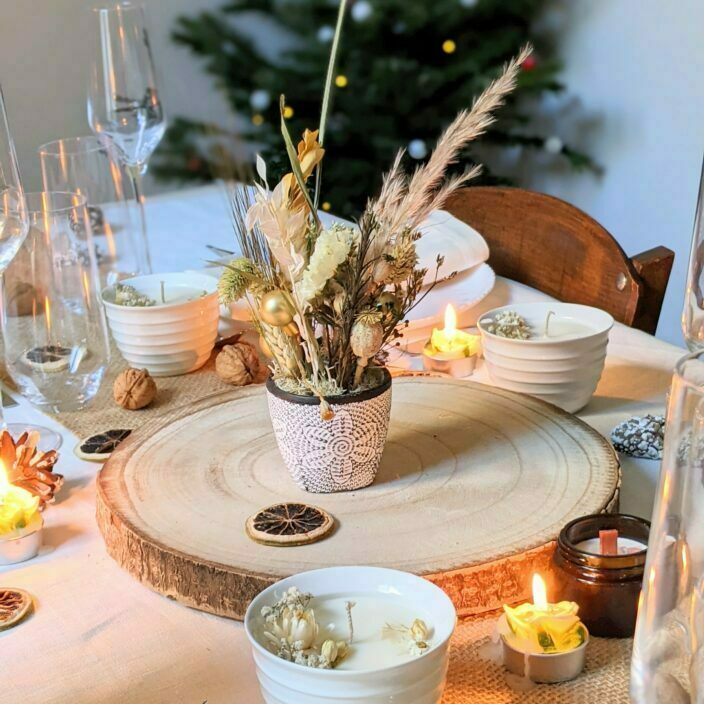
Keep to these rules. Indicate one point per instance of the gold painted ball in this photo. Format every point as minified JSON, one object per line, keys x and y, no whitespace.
{"x":275,"y":309}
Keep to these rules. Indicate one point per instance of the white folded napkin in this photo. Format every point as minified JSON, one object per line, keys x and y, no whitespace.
{"x":461,"y":245}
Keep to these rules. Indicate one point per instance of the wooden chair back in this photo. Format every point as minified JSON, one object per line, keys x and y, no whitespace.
{"x":546,"y":243}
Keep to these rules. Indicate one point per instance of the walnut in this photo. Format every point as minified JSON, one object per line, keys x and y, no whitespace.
{"x":134,"y":389}
{"x":238,"y":364}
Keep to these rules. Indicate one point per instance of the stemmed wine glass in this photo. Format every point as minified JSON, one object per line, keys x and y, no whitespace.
{"x":124,"y":107}
{"x":14,"y":225}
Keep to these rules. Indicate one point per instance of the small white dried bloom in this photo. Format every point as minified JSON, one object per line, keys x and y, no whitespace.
{"x":328,"y":650}
{"x":415,"y":637}
{"x":508,"y":324}
{"x":419,"y":631}
{"x":331,"y":249}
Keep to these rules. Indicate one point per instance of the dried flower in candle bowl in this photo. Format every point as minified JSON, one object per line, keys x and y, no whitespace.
{"x":355,"y":633}
{"x":553,"y":351}
{"x":164,"y":323}
{"x":327,"y":299}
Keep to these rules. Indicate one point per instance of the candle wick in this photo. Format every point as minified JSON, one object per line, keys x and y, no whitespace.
{"x":350,"y":626}
{"x":547,"y":321}
{"x":163,"y":292}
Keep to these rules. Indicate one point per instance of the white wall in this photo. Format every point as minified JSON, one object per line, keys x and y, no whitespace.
{"x":45,"y":50}
{"x":638,"y":68}
{"x":636,"y":65}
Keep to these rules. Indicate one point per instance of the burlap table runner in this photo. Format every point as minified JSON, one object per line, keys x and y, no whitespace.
{"x":173,"y":392}
{"x":474,"y":679}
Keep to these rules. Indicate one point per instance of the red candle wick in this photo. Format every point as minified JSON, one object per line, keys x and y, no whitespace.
{"x":609,"y":541}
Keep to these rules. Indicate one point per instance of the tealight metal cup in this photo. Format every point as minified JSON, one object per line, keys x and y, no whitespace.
{"x":543,"y":668}
{"x":22,"y":548}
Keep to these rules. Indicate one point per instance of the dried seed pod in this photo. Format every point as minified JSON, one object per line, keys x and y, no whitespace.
{"x":238,"y":364}
{"x":365,"y":339}
{"x":134,"y":389}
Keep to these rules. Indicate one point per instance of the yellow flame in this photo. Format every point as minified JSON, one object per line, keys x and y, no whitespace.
{"x":17,"y":505}
{"x":4,"y":481}
{"x":540,"y":594}
{"x":86,"y":288}
{"x":47,"y":313}
{"x":450,"y":321}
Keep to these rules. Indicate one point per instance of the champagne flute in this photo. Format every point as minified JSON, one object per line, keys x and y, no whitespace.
{"x":124,"y":108}
{"x":14,"y":225}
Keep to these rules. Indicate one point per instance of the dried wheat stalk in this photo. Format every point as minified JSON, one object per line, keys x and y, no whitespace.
{"x":407,"y":203}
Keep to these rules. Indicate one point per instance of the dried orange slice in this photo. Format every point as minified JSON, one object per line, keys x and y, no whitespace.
{"x":289,"y":524}
{"x":14,"y":606}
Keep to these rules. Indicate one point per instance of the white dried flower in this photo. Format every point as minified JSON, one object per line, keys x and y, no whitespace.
{"x":508,"y":324}
{"x":419,"y":631}
{"x":331,"y":249}
{"x":415,"y":637}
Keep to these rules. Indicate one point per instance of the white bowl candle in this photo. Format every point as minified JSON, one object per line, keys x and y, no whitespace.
{"x":543,"y":642}
{"x":561,"y":358}
{"x":451,"y":351}
{"x":382,"y":661}
{"x":20,"y":522}
{"x":167,"y":323}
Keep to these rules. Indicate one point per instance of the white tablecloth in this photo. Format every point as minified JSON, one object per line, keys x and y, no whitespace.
{"x":99,"y":637}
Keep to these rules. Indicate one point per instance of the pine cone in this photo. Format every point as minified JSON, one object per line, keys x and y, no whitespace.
{"x":29,"y":468}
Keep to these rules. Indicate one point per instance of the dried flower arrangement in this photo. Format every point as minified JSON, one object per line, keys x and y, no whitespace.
{"x":326,"y":301}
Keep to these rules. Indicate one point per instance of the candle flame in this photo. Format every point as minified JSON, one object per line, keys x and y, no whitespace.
{"x":17,"y":505}
{"x":4,"y":481}
{"x":450,"y":321}
{"x":540,"y":594}
{"x":47,"y":313}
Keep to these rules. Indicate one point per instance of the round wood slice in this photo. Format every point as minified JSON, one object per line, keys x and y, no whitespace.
{"x":474,"y":487}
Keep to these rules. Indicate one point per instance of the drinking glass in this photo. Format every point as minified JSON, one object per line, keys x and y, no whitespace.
{"x":14,"y":224}
{"x":124,"y":108}
{"x":668,"y":654}
{"x":53,"y":324}
{"x":87,"y":166}
{"x":693,"y":313}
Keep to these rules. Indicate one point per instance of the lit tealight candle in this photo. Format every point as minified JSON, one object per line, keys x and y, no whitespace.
{"x":450,"y":350}
{"x":543,"y":642}
{"x":20,"y":522}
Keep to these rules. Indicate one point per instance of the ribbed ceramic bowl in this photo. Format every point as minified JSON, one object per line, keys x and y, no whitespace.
{"x":563,"y":370}
{"x":166,"y":339}
{"x":418,"y":681}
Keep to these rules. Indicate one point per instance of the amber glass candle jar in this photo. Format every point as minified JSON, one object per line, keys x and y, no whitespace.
{"x":606,"y":587}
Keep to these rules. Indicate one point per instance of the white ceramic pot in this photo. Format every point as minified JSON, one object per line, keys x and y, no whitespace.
{"x":166,"y":339}
{"x":562,"y":368}
{"x":420,"y":680}
{"x":341,"y":454}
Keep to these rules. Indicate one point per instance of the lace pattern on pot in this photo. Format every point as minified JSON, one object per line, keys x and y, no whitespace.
{"x":337,"y":455}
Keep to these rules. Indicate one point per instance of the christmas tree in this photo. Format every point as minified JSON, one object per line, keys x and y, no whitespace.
{"x":406,"y":68}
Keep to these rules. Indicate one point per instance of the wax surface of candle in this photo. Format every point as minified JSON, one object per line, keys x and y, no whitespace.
{"x":560,"y":327}
{"x":626,"y":546}
{"x":175,"y":293}
{"x":370,"y":649}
